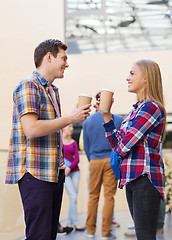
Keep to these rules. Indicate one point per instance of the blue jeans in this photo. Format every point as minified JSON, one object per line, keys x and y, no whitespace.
{"x":144,"y":202}
{"x":71,"y":186}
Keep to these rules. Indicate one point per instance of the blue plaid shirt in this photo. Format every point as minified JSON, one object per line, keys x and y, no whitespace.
{"x":137,"y":144}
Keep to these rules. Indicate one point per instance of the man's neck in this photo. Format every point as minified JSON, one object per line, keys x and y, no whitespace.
{"x":46,"y":75}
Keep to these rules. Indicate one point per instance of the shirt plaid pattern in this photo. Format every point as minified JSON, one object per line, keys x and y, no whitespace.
{"x":39,"y":156}
{"x":137,"y":144}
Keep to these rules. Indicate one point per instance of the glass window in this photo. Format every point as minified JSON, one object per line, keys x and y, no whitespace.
{"x":99,"y":26}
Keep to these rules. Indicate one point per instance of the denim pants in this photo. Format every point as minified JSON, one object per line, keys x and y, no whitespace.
{"x":144,"y":202}
{"x":72,"y":186}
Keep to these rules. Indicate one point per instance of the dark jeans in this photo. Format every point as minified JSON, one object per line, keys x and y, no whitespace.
{"x":143,"y":201}
{"x":42,"y":203}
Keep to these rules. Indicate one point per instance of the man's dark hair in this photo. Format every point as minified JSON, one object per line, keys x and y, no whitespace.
{"x":50,"y":45}
{"x":97,"y":96}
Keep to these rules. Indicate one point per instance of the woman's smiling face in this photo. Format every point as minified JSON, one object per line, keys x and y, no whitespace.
{"x":136,"y":81}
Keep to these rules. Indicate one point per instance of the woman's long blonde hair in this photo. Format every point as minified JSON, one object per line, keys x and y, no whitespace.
{"x":154,"y":89}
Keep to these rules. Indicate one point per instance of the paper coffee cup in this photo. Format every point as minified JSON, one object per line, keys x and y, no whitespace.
{"x":84,"y":99}
{"x":105,"y":100}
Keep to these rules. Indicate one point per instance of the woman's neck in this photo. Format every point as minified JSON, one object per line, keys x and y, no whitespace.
{"x":141,"y":95}
{"x":67,"y":139}
{"x":140,"y":98}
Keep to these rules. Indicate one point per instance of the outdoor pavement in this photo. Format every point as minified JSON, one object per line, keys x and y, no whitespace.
{"x":122,"y":217}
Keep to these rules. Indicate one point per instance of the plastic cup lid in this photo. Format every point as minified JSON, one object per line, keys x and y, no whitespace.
{"x":105,"y":89}
{"x":85,"y":95}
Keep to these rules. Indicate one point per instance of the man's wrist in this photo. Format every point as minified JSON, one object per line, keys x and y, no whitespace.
{"x":68,"y":120}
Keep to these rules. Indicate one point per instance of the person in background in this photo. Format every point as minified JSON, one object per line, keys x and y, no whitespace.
{"x":161,"y":218}
{"x":35,"y":159}
{"x":98,"y":152}
{"x":61,"y":231}
{"x":137,"y":145}
{"x":72,"y":173}
{"x":81,"y":147}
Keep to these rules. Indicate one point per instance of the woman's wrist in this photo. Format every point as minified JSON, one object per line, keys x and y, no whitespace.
{"x":107,"y":117}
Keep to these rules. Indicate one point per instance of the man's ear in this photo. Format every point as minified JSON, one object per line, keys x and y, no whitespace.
{"x":48,"y":56}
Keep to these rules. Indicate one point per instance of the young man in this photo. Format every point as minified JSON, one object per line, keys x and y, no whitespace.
{"x":98,"y":152}
{"x":35,"y":153}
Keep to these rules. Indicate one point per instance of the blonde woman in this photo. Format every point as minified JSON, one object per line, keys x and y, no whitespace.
{"x":137,"y":144}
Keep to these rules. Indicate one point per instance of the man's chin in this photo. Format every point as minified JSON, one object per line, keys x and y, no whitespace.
{"x":60,"y":77}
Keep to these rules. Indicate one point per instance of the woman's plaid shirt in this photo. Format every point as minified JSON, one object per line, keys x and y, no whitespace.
{"x":39,"y":156}
{"x":137,"y":144}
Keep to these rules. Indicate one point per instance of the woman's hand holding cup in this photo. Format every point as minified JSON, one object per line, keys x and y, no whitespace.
{"x":104,"y":104}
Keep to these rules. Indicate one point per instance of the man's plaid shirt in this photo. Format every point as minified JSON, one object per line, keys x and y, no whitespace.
{"x":39,"y":156}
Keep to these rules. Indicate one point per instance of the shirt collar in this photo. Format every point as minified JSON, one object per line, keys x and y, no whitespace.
{"x":138,"y":103}
{"x":40,"y":78}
